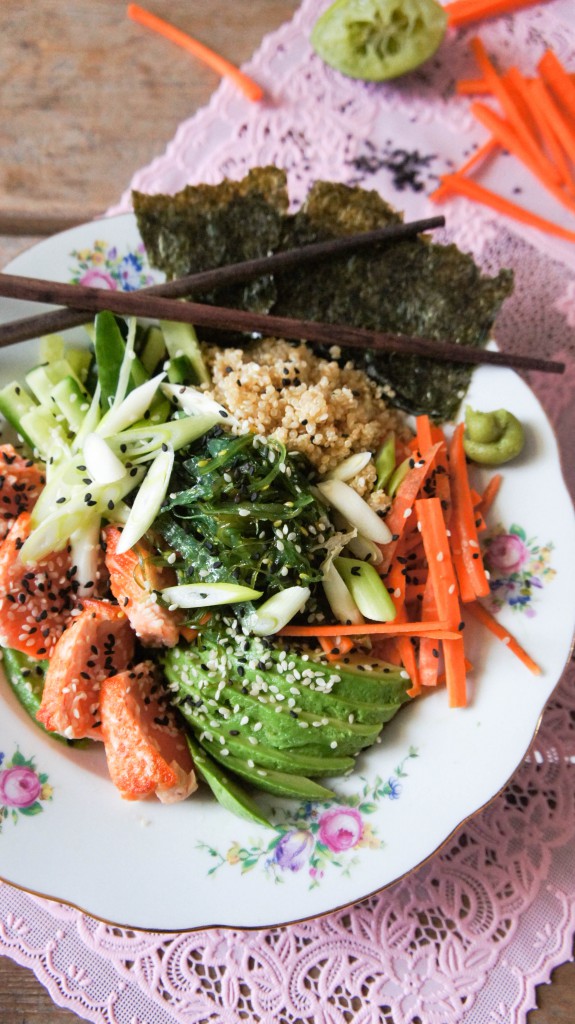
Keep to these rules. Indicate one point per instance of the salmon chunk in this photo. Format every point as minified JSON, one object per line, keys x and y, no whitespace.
{"x":36,"y":602}
{"x":135,"y":581}
{"x":21,"y":481}
{"x":145,"y":748}
{"x":98,"y":643}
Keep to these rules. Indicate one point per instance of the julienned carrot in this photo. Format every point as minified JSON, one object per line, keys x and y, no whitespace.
{"x":558,"y":78}
{"x":481,"y":613}
{"x":217,"y":63}
{"x":463,"y":525}
{"x":428,"y":648}
{"x":540,"y":101}
{"x":438,"y":630}
{"x":488,"y":149}
{"x":455,"y":672}
{"x":490,"y":493}
{"x":440,"y":565}
{"x":537,"y":163}
{"x":558,"y":121}
{"x":335,"y":649}
{"x":471,"y":87}
{"x":457,"y":184}
{"x":445,"y":591}
{"x":401,"y":510}
{"x":461,"y":12}
{"x":515,"y":135}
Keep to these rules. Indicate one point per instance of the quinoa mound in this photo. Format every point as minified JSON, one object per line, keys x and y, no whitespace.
{"x":312,"y":405}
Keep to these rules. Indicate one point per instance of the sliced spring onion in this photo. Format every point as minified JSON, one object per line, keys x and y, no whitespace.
{"x":350,"y":467}
{"x":398,"y":476}
{"x":148,"y":500}
{"x":385,"y":462}
{"x":357,"y":512}
{"x":54,"y":530}
{"x":101,"y":463}
{"x":204,"y":595}
{"x":195,"y":402}
{"x":131,"y":409}
{"x":91,"y":419}
{"x":175,"y":433}
{"x":85,"y":555}
{"x":277,"y":611}
{"x":365,"y":549}
{"x":126,"y":365}
{"x":339,"y":597}
{"x":367,"y":589}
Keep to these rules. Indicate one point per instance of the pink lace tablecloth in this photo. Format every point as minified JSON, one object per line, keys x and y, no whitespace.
{"x":466,"y":938}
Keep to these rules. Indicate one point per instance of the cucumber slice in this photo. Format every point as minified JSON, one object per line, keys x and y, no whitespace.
{"x":379,"y":39}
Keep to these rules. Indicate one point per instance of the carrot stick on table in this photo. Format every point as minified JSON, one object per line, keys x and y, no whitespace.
{"x":461,"y":12}
{"x":561,"y":81}
{"x":223,"y":67}
{"x":457,"y":184}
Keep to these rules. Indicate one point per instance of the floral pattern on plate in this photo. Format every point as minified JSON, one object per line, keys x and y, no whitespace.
{"x":316,"y":836}
{"x":519,"y":566}
{"x":104,"y":266}
{"x":23,"y":789}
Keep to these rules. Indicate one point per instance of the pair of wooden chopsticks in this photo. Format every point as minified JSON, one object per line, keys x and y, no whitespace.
{"x":162,"y":302}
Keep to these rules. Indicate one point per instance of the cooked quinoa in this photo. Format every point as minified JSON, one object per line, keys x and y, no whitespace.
{"x":313,"y":405}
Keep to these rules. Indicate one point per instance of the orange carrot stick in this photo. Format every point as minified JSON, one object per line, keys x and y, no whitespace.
{"x":559,"y":121}
{"x":481,"y":613}
{"x":461,"y":12}
{"x":561,"y":82}
{"x":428,"y":649}
{"x":490,"y":493}
{"x":533,"y":159}
{"x":337,"y":648}
{"x":469,"y":563}
{"x":471,"y":86}
{"x":438,"y":630}
{"x":456,"y":184}
{"x":455,"y":672}
{"x":399,"y":516}
{"x":223,"y":67}
{"x":540,"y":100}
{"x":482,"y":153}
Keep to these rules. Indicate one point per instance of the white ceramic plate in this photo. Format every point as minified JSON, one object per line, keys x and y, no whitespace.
{"x":193,"y":865}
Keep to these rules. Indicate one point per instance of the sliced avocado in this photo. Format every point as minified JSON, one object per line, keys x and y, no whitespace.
{"x":226,"y":791}
{"x":278,"y":783}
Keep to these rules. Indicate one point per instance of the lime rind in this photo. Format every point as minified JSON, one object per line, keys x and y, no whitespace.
{"x":377,"y":40}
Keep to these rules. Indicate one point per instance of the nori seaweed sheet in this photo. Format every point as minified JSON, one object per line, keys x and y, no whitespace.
{"x":412,"y":287}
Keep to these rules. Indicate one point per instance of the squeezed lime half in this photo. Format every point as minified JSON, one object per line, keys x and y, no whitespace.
{"x":378,"y":39}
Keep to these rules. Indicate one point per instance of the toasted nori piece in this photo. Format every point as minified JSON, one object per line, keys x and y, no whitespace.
{"x":206,"y":226}
{"x":412,"y":287}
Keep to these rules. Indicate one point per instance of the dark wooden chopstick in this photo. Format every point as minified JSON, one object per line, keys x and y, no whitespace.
{"x":234,"y":273}
{"x":154,"y":306}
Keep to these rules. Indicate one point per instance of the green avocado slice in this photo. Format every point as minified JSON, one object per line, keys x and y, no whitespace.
{"x":226,"y":791}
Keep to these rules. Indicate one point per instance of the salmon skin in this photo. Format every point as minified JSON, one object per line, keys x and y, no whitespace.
{"x":98,"y":643}
{"x":145,"y":747}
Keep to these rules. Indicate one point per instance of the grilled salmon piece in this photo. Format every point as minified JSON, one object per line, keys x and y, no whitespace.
{"x":21,"y":481}
{"x":134,"y":581}
{"x":36,"y":602}
{"x":98,"y":643}
{"x":145,"y":747}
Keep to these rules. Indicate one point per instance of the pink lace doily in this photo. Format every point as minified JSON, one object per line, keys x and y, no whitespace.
{"x":466,"y":938}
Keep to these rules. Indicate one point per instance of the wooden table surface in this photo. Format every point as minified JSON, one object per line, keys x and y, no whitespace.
{"x":87,"y":98}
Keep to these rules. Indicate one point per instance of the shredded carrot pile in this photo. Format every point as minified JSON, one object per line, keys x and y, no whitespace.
{"x":461,"y":12}
{"x":434,"y":571}
{"x":533,"y":118}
